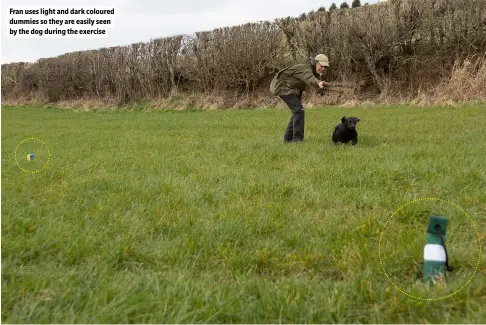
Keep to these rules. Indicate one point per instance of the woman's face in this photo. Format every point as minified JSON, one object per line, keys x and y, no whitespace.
{"x":320,"y":68}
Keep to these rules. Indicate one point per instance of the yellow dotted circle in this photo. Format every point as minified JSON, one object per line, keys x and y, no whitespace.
{"x":420,"y":298}
{"x":44,"y":166}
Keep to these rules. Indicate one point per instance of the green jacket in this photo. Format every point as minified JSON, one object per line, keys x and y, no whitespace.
{"x":293,"y":80}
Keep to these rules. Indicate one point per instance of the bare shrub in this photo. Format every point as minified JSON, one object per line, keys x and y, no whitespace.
{"x":467,"y":82}
{"x":392,"y":51}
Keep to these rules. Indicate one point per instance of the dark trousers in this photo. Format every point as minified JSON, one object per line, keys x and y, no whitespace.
{"x":295,"y":128}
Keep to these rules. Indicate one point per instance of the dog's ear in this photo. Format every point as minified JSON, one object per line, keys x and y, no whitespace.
{"x":343,"y":119}
{"x":357,"y":120}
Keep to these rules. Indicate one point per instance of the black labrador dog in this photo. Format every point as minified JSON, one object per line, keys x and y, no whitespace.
{"x":346,"y":131}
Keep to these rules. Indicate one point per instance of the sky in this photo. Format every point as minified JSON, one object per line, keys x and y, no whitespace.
{"x":143,"y":20}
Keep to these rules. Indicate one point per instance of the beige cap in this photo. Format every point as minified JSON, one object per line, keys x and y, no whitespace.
{"x":322,"y":59}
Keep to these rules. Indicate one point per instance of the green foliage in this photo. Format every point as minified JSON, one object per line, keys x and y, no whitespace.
{"x":356,"y":4}
{"x":344,"y":5}
{"x":207,"y":217}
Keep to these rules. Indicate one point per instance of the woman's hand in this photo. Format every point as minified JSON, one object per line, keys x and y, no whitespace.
{"x":323,"y":83}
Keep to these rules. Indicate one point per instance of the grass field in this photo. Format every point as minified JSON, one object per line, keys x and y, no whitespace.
{"x":207,"y":217}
